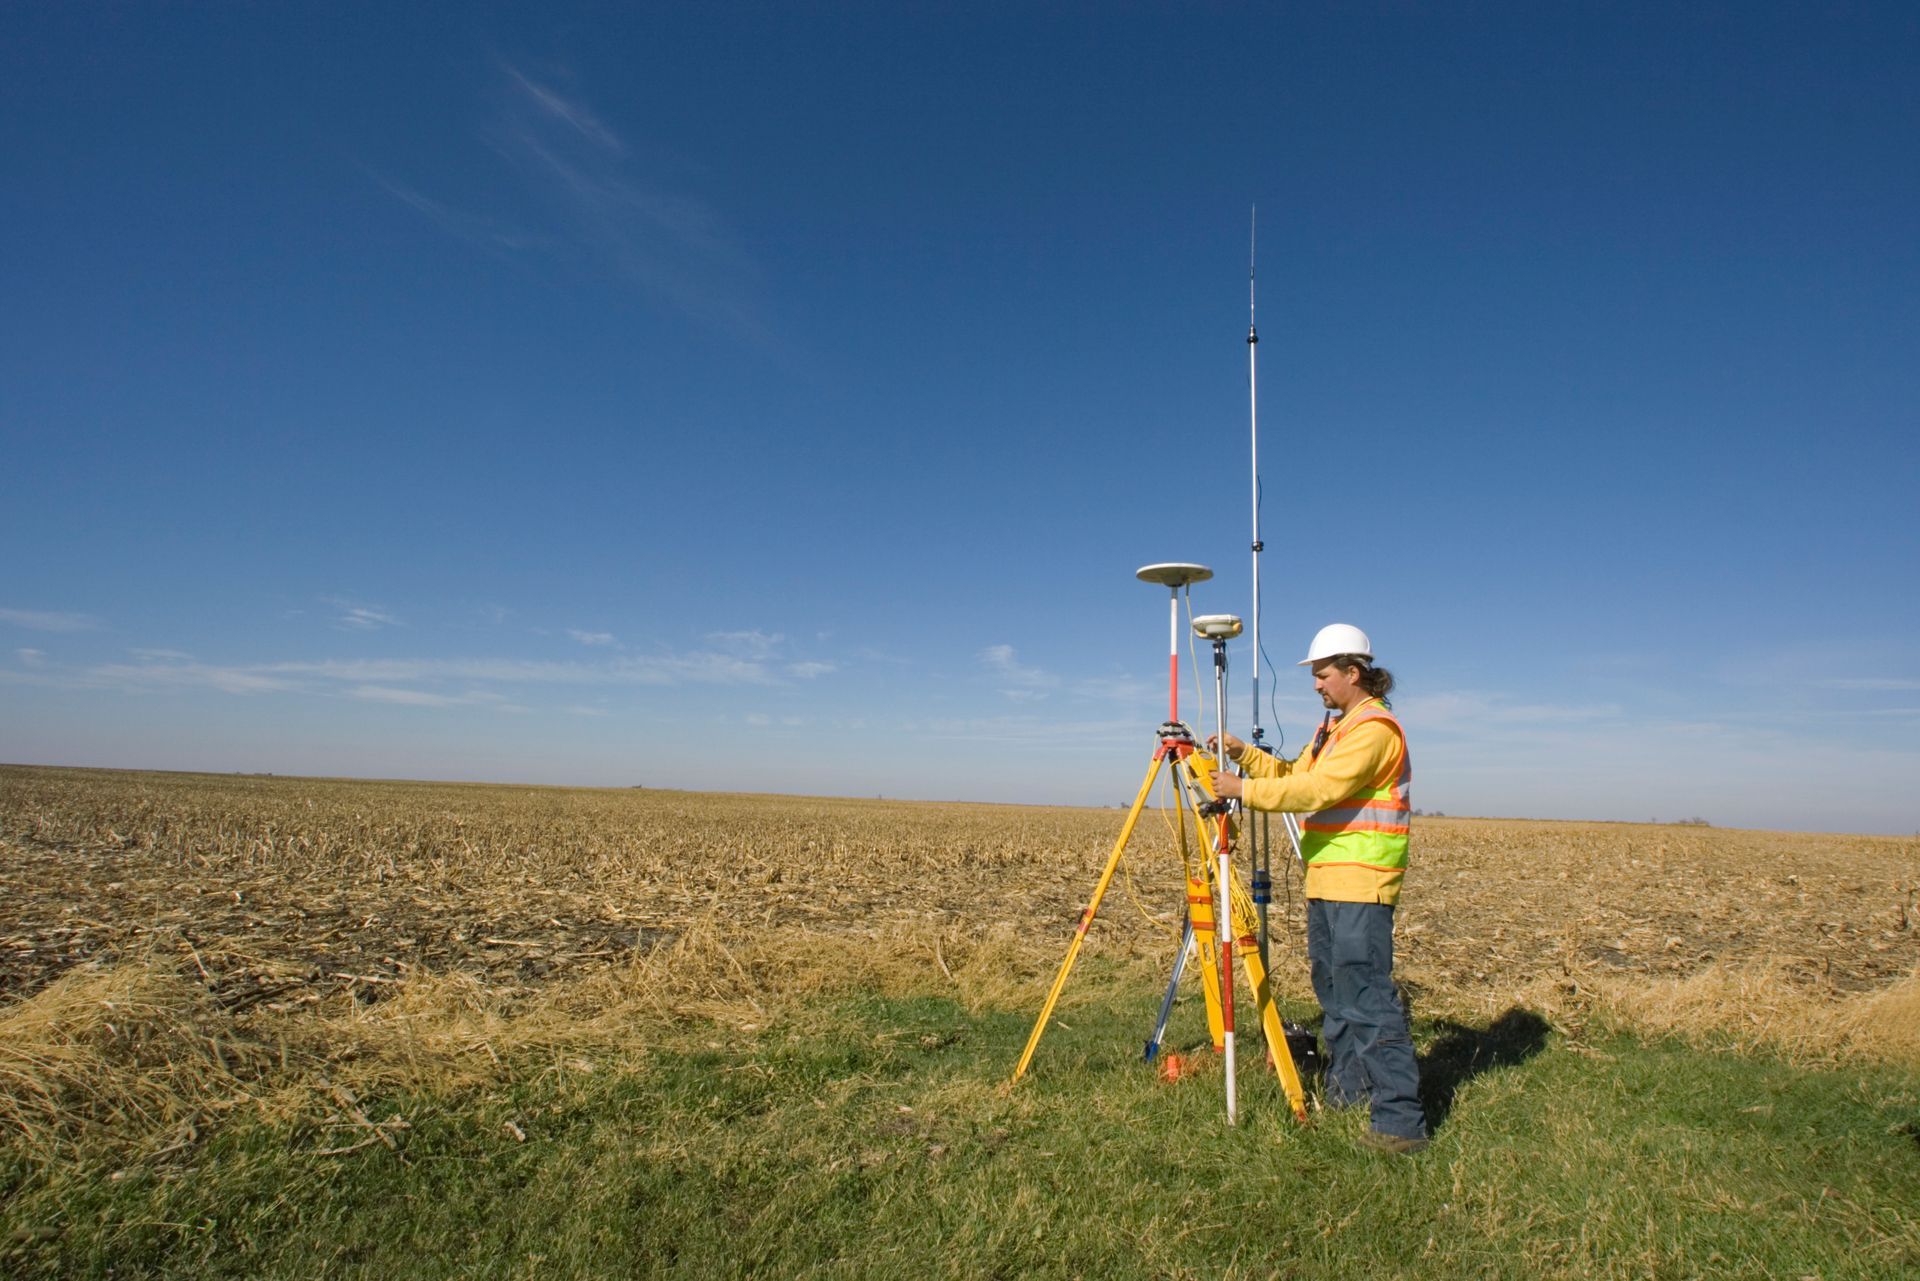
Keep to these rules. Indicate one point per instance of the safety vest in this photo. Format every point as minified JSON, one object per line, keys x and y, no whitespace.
{"x":1358,"y":848}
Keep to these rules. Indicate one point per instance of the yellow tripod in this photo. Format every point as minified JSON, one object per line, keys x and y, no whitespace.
{"x":1192,"y":771}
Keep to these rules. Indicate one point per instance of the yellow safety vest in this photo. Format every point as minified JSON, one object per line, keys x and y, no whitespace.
{"x":1356,"y":851}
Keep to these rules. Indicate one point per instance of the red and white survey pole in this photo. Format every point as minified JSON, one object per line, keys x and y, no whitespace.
{"x":1220,"y":628}
{"x":1223,"y":915}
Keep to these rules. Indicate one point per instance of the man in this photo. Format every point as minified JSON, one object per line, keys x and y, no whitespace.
{"x":1350,"y":787}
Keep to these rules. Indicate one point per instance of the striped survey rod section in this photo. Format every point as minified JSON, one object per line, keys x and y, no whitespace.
{"x":1173,"y":657}
{"x":1225,"y":919}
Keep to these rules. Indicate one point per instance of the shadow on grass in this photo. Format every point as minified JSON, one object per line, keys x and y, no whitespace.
{"x":1461,"y":1053}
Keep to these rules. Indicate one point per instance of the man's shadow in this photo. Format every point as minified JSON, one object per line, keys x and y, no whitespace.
{"x":1461,"y":1053}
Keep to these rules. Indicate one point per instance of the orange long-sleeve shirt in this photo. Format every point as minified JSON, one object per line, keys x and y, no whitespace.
{"x":1366,"y":753}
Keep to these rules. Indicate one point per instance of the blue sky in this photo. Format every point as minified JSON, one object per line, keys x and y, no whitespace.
{"x":781,"y":397}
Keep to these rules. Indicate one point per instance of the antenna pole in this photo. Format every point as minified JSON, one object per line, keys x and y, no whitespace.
{"x":1259,"y":843}
{"x":1257,"y":834}
{"x":1253,"y":418}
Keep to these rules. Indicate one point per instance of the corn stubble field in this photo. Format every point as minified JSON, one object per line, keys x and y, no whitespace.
{"x":179,"y":951}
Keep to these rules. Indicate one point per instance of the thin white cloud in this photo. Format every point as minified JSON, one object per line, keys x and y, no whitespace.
{"x":669,"y":244}
{"x":761,"y":720}
{"x":867,"y":654}
{"x":1881,"y":684}
{"x":45,"y":620}
{"x":428,"y":698}
{"x":769,"y":648}
{"x":386,"y":670}
{"x":746,"y":659}
{"x":607,"y":213}
{"x":228,"y":680}
{"x":574,"y":114}
{"x":755,"y":642}
{"x":474,"y":229}
{"x":1116,"y":689}
{"x":1019,"y":682}
{"x":403,"y":697}
{"x":1470,"y":708}
{"x":1555,"y":713}
{"x":653,"y":669}
{"x":378,"y":679}
{"x":355,"y":617}
{"x":1034,"y":729}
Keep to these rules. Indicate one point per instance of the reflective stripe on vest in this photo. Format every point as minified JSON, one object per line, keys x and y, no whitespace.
{"x":1370,"y":827}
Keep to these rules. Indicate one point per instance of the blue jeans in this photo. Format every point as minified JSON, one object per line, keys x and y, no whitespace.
{"x":1369,"y":1049}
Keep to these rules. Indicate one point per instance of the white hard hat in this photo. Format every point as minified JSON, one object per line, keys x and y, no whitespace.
{"x":1337,"y":638}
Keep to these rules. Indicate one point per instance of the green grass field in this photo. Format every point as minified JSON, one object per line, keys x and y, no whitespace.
{"x":870,"y":1137}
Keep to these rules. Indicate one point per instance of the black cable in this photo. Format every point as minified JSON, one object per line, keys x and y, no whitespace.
{"x":1273,"y":706}
{"x":1280,"y":735}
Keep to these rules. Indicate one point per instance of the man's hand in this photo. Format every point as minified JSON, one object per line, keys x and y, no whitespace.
{"x":1234,"y":746}
{"x":1227,"y":786}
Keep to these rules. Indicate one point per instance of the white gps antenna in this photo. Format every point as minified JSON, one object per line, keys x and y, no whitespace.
{"x":1173,"y":575}
{"x":1216,"y":627}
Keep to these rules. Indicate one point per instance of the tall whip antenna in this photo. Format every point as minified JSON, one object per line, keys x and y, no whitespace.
{"x":1253,"y":416}
{"x":1258,"y":838}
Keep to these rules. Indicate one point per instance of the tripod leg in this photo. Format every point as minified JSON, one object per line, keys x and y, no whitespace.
{"x":1173,"y":990}
{"x":1292,"y":824}
{"x":1200,"y":911}
{"x":1086,"y":919}
{"x":1261,"y":982}
{"x":1201,"y":903}
{"x":1260,"y":839}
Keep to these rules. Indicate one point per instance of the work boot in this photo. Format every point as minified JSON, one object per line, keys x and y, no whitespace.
{"x":1393,"y":1144}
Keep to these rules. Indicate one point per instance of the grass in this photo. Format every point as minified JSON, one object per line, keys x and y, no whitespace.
{"x":300,"y":1028}
{"x":862,"y":1135}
